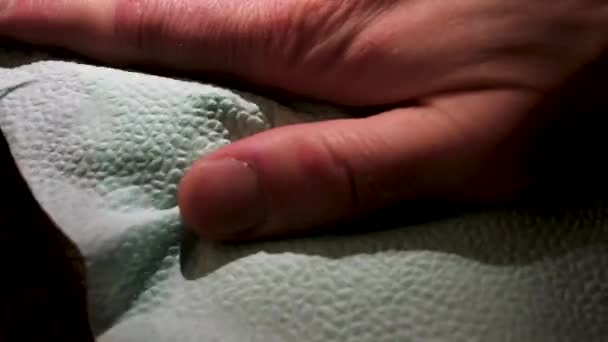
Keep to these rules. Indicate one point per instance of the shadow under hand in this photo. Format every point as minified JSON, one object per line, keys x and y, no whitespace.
{"x":43,"y":294}
{"x":519,"y":234}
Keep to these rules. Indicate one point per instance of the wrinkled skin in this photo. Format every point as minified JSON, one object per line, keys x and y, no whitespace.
{"x":466,"y":87}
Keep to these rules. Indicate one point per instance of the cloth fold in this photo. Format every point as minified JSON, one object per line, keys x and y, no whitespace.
{"x":103,"y":151}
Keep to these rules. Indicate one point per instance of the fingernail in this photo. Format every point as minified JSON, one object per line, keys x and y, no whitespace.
{"x":223,"y":198}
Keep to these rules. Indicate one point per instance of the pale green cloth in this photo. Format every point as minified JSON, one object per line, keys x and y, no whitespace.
{"x":103,"y":151}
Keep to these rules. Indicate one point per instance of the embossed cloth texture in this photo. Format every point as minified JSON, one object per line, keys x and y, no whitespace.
{"x":103,"y":151}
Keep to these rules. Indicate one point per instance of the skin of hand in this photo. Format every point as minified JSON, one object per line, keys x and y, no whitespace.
{"x":464,"y":86}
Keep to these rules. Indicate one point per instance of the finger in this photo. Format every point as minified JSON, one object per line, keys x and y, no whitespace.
{"x":296,"y":178}
{"x":301,"y":47}
{"x":80,"y":25}
{"x":125,"y":31}
{"x":203,"y":35}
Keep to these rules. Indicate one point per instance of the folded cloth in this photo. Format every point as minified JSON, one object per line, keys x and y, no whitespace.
{"x":103,"y":151}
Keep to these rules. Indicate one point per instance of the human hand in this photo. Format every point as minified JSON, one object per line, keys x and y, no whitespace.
{"x":470,"y":77}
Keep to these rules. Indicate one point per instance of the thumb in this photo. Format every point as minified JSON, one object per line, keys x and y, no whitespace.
{"x":301,"y":177}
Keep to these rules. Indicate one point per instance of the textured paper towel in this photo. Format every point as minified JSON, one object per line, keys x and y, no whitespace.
{"x":103,"y":151}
